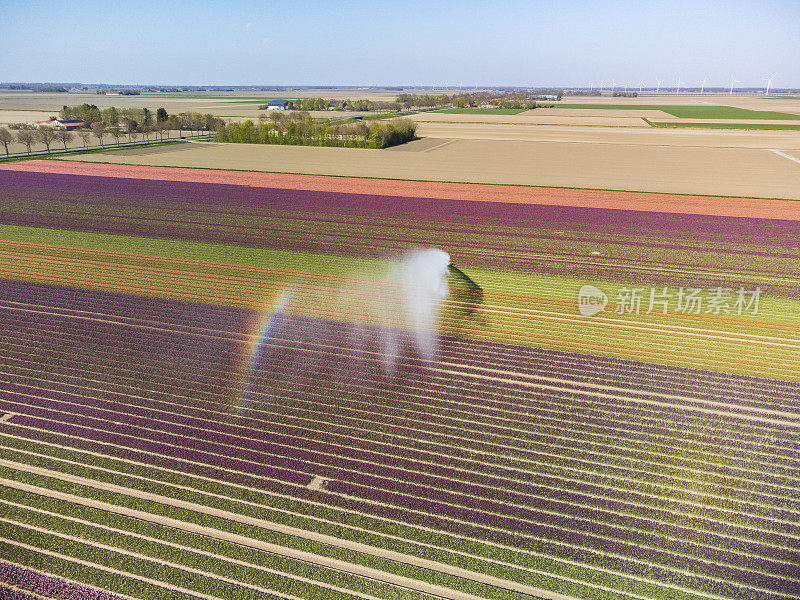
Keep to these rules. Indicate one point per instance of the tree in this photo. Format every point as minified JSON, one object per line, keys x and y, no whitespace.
{"x":147,"y":117}
{"x":6,"y":137}
{"x":173,"y":122}
{"x":111,"y":117}
{"x":85,"y":134}
{"x":159,"y":128}
{"x":132,"y":135}
{"x":185,"y":122}
{"x":131,"y":127}
{"x":46,"y":135}
{"x":25,"y":136}
{"x":99,"y":130}
{"x":64,"y":136}
{"x":161,"y":115}
{"x":116,"y":133}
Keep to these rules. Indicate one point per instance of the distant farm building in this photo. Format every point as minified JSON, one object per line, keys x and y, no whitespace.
{"x":59,"y":124}
{"x":276,"y":105}
{"x":112,"y":93}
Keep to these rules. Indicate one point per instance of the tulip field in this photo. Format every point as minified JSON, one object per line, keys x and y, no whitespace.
{"x":195,"y":401}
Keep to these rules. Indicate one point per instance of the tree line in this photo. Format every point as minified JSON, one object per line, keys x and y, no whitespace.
{"x":308,"y":104}
{"x":110,"y":123}
{"x":298,"y":128}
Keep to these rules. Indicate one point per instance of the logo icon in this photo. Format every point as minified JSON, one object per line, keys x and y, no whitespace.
{"x":591,"y":300}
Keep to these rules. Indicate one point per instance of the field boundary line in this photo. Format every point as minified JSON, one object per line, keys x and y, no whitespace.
{"x":784,"y":155}
{"x":437,"y":146}
{"x":305,"y":556}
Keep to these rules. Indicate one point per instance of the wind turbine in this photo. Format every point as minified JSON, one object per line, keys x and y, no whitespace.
{"x":703,"y":84}
{"x":658,"y":87}
{"x":613,"y":85}
{"x":641,"y":84}
{"x":602,"y":84}
{"x":591,"y":87}
{"x":678,"y":86}
{"x":626,"y":86}
{"x":769,"y":83}
{"x":733,"y":80}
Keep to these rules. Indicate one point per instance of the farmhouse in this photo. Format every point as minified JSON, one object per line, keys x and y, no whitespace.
{"x":59,"y":124}
{"x":276,"y":105}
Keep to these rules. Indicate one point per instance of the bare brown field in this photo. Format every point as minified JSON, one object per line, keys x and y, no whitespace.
{"x":23,"y":116}
{"x":787,"y":140}
{"x":668,"y":169}
{"x":685,"y":204}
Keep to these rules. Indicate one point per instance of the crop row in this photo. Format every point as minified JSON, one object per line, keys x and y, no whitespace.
{"x":147,"y":343}
{"x":252,"y":510}
{"x":45,"y":585}
{"x":122,"y":397}
{"x":571,"y":571}
{"x":433,"y":507}
{"x":467,"y":467}
{"x":278,"y":419}
{"x":281,"y":574}
{"x":516,"y":357}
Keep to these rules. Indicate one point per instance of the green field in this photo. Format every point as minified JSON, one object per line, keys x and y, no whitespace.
{"x":692,"y":112}
{"x":751,"y":126}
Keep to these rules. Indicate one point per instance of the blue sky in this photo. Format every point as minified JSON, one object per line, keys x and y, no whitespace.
{"x":506,"y":42}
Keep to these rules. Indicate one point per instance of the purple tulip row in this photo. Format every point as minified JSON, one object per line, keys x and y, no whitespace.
{"x":45,"y":585}
{"x":552,"y":528}
{"x":226,"y":213}
{"x":142,"y":348}
{"x":638,"y":376}
{"x":429,"y":493}
{"x":411,"y":412}
{"x":246,"y":200}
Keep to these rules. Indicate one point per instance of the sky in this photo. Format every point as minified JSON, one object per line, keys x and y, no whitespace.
{"x":540,"y":43}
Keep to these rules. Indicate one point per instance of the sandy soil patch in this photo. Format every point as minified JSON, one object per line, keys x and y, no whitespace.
{"x":737,"y":207}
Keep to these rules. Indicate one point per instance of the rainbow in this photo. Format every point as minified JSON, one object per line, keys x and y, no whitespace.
{"x":265,"y":326}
